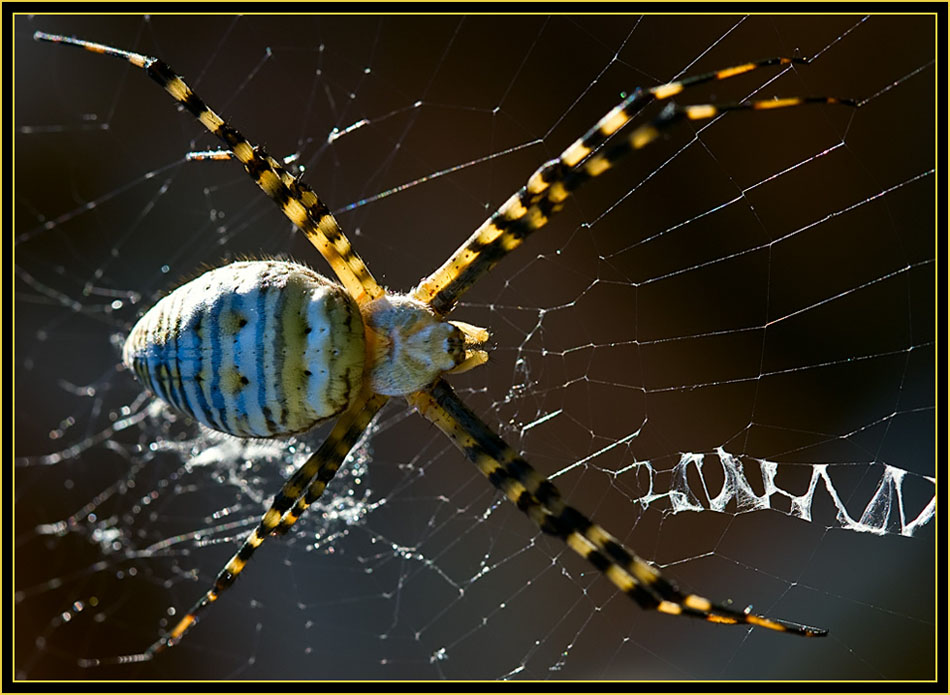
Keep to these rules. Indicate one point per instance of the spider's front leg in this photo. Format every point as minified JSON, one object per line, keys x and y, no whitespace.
{"x":549,"y":187}
{"x":540,"y":500}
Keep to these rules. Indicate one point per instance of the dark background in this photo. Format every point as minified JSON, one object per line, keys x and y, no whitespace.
{"x":595,"y":317}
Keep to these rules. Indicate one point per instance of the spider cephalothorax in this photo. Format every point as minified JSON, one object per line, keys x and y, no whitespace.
{"x":408,"y":346}
{"x":268,"y":348}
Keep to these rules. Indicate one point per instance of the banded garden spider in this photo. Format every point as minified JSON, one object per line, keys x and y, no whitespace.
{"x":433,"y":298}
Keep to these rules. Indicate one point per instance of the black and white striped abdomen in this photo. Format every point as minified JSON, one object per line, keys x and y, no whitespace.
{"x":254,"y":349}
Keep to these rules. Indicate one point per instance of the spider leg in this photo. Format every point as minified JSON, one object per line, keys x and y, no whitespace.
{"x":550,"y":185}
{"x":331,"y":464}
{"x":318,"y":470}
{"x":540,"y":500}
{"x":554,"y":197}
{"x":323,"y":464}
{"x":296,"y":200}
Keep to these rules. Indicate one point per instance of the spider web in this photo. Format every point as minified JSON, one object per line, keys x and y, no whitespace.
{"x":724,"y":351}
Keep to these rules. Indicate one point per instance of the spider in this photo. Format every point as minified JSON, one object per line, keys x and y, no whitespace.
{"x":271,"y":348}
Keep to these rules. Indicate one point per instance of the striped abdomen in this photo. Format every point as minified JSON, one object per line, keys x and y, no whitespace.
{"x":254,"y":349}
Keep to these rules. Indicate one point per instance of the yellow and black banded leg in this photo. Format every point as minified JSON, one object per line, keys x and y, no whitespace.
{"x":322,"y":464}
{"x":540,"y":500}
{"x":569,"y":180}
{"x":331,"y":464}
{"x":551,"y":184}
{"x":314,"y":492}
{"x":296,"y":200}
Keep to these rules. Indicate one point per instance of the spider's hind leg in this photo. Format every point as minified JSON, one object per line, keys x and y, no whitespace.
{"x":292,"y":500}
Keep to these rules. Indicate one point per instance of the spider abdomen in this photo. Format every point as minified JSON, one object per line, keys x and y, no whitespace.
{"x":254,"y":348}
